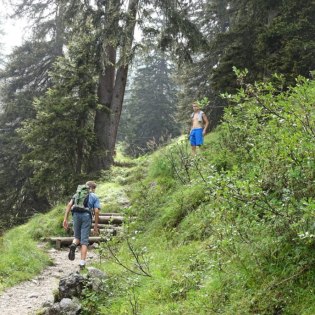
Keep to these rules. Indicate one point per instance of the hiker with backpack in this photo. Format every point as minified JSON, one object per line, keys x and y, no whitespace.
{"x":83,"y":205}
{"x":199,"y":125}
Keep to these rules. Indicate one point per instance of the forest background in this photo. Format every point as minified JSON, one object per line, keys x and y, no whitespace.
{"x":82,"y":82}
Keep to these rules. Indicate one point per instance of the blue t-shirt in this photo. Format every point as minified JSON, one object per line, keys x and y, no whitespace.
{"x":94,"y":201}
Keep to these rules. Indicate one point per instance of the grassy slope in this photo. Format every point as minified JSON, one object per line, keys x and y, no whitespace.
{"x":227,"y":232}
{"x":21,"y":258}
{"x":210,"y":237}
{"x":174,"y":234}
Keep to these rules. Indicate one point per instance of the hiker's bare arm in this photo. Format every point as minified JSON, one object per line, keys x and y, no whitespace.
{"x":206,"y":122}
{"x":97,"y":213}
{"x":68,"y":208}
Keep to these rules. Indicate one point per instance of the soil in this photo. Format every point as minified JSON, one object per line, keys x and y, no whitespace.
{"x":28,"y":297}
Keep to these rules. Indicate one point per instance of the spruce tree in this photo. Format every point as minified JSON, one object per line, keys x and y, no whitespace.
{"x":61,"y":134}
{"x":25,"y":77}
{"x":149,"y":117}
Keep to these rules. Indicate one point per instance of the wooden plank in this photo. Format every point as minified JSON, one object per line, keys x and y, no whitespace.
{"x":116,"y":228}
{"x":65,"y":240}
{"x":114,"y":214}
{"x":110,"y":219}
{"x":58,"y":244}
{"x":70,"y":238}
{"x":107,"y":226}
{"x":112,"y":231}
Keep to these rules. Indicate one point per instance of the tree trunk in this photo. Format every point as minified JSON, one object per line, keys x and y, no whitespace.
{"x":60,"y":28}
{"x":101,"y":159}
{"x":118,"y":97}
{"x":122,"y":73}
{"x":81,"y":124}
{"x":111,"y":92}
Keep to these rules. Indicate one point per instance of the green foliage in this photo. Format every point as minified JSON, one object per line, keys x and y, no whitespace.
{"x":203,"y":102}
{"x":20,"y":260}
{"x":231,"y":229}
{"x":24,"y":78}
{"x":60,"y":136}
{"x":90,"y":303}
{"x":263,"y":36}
{"x":148,"y":119}
{"x":57,"y":140}
{"x":160,"y":166}
{"x":181,"y":204}
{"x":21,"y":257}
{"x":21,"y":83}
{"x":233,"y":237}
{"x":175,"y":162}
{"x":43,"y":225}
{"x":236,"y":234}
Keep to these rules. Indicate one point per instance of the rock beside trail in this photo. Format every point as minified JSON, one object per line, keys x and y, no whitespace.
{"x":65,"y":306}
{"x":70,"y":290}
{"x":71,"y":285}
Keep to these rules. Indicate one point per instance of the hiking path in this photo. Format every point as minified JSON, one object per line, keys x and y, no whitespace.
{"x":28,"y":297}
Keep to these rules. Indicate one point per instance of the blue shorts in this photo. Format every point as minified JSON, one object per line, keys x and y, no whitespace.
{"x":82,"y":226}
{"x":196,"y":137}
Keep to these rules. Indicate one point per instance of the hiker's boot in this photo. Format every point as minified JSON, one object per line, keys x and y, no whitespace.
{"x":71,"y":254}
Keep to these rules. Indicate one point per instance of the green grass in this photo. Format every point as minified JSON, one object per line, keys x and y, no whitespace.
{"x":177,"y":231}
{"x":223,"y":232}
{"x":21,"y":258}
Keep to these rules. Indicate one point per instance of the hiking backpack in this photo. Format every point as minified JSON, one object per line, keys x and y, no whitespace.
{"x":81,"y":199}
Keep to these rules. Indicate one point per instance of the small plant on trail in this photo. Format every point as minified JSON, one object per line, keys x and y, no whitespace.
{"x":134,"y":303}
{"x":90,"y":301}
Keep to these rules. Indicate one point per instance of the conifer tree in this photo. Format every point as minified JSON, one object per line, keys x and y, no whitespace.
{"x":149,"y":116}
{"x":60,"y":135}
{"x":24,"y":78}
{"x":263,"y":36}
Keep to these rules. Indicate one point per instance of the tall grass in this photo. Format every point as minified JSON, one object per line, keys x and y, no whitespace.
{"x":21,"y":258}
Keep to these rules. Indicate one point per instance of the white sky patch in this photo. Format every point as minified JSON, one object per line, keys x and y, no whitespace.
{"x":13,"y":30}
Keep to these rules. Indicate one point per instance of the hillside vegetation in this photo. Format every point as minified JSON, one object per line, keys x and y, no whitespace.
{"x":229,"y":231}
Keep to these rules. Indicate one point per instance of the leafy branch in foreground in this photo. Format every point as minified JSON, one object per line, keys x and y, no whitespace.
{"x":141,"y":262}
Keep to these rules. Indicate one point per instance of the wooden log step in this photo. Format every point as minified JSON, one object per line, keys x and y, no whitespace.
{"x":107,"y":226}
{"x":113,"y":214}
{"x":110,"y":219}
{"x":112,"y":231}
{"x":100,"y":225}
{"x":66,"y":240}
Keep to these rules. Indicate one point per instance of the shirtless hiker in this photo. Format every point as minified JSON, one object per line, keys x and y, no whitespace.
{"x":199,"y":127}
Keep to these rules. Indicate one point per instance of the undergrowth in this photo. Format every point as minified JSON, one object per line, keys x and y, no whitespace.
{"x":229,"y":231}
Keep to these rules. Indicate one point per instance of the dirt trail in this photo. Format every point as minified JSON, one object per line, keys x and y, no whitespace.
{"x":27,"y":297}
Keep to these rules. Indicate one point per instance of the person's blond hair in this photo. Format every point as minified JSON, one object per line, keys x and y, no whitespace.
{"x":91,"y":184}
